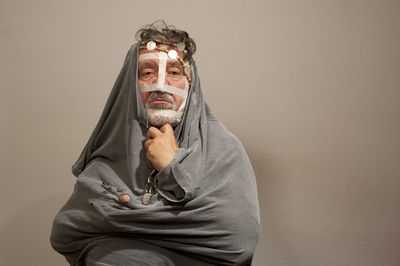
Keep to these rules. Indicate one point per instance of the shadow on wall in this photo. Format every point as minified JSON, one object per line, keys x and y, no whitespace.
{"x":25,"y":235}
{"x":268,"y":169}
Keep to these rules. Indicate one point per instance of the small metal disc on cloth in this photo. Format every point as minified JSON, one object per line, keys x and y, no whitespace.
{"x":151,"y":45}
{"x":180,"y":46}
{"x":146,"y":198}
{"x":172,"y":54}
{"x":124,"y":197}
{"x":187,"y":69}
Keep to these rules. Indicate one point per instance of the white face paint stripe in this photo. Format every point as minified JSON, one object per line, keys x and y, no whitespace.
{"x":159,"y":56}
{"x":161,"y":87}
{"x":183,"y":104}
{"x":149,"y":56}
{"x":164,"y":112}
{"x":162,"y":67}
{"x":186,"y":86}
{"x":182,"y":107}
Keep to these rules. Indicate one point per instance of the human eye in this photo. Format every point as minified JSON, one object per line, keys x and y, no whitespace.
{"x":146,"y":73}
{"x":174,"y":71}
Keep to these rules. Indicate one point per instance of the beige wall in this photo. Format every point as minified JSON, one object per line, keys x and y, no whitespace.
{"x":312,"y":88}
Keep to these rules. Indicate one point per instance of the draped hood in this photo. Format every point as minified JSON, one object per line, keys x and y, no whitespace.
{"x":205,"y":210}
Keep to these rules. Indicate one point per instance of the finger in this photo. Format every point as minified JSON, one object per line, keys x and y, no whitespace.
{"x":147,"y":143}
{"x":167,"y":128}
{"x":153,"y":132}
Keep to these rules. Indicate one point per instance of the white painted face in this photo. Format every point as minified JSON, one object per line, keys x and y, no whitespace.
{"x":163,"y":86}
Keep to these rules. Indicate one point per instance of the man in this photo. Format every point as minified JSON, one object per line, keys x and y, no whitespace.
{"x":161,"y":181}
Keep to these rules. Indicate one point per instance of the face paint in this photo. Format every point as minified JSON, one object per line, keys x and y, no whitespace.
{"x":163,"y":80}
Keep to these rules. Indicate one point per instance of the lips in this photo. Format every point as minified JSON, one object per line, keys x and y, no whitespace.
{"x":160,"y":101}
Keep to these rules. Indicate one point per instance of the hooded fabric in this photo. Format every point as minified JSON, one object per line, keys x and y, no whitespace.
{"x":205,"y":210}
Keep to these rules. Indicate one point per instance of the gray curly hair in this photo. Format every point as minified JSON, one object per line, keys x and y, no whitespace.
{"x":159,"y":30}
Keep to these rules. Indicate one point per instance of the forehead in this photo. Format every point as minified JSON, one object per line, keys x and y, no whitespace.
{"x":154,"y":62}
{"x":169,"y":47}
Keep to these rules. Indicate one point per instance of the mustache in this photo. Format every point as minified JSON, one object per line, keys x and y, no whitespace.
{"x":160,"y":95}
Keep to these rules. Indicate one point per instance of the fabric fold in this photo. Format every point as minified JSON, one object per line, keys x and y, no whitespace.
{"x":205,"y":206}
{"x":175,"y":183}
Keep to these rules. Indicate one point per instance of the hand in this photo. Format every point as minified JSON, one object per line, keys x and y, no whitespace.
{"x":161,"y":146}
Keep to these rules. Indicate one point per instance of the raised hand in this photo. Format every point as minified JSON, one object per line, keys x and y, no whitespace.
{"x":161,"y":146}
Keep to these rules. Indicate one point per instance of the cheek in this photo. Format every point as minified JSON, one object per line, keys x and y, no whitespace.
{"x":178,"y":100}
{"x":180,"y":84}
{"x":145,"y":95}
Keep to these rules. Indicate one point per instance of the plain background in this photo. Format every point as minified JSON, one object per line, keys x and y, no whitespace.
{"x":312,"y":88}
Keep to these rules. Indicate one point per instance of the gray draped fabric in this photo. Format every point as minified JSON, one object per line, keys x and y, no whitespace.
{"x":205,"y":211}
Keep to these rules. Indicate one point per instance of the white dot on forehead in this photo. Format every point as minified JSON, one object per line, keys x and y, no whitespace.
{"x":172,"y":54}
{"x":151,"y":45}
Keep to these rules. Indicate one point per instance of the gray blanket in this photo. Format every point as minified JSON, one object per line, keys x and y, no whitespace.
{"x":205,"y":210}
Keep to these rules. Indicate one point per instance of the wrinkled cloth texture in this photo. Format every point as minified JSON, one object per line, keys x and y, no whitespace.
{"x":205,"y":210}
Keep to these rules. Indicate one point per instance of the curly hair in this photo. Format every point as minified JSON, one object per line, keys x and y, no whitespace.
{"x":159,"y":30}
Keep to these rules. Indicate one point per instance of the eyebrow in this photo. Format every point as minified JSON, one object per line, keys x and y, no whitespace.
{"x":150,"y":64}
{"x":174,"y":64}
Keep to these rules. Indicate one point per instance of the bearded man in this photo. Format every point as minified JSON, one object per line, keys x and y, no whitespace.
{"x":161,"y":181}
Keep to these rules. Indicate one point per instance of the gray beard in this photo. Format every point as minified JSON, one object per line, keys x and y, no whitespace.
{"x":158,"y":120}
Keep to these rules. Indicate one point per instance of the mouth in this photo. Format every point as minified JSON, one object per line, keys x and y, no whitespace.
{"x":159,"y":101}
